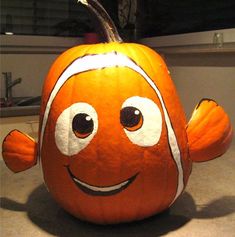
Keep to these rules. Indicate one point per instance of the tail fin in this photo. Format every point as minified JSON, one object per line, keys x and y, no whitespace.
{"x":209,"y":131}
{"x":19,"y":151}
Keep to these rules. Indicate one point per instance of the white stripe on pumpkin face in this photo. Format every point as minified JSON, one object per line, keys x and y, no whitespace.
{"x":107,"y":60}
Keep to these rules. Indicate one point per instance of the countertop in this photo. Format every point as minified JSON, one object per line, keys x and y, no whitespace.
{"x":207,"y":207}
{"x":19,"y":111}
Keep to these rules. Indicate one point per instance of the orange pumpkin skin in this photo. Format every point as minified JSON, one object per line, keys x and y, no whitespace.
{"x":113,"y":138}
{"x":208,"y":145}
{"x":111,"y":158}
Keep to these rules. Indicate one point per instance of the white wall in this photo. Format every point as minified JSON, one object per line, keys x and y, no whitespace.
{"x":30,"y":58}
{"x":31,"y":68}
{"x":195,"y":83}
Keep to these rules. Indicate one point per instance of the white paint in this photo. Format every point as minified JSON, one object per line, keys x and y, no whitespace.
{"x":102,"y":189}
{"x":150,"y":132}
{"x":67,"y":142}
{"x":114,"y":59}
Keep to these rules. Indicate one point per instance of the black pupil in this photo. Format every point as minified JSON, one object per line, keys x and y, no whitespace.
{"x":83,"y":123}
{"x":130,"y":117}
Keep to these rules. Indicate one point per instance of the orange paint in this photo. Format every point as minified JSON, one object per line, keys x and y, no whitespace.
{"x":113,"y":139}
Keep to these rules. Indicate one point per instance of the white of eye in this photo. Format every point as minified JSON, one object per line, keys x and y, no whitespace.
{"x":150,"y":131}
{"x":66,"y":141}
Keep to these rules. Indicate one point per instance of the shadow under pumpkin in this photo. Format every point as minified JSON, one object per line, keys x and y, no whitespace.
{"x":47,"y":215}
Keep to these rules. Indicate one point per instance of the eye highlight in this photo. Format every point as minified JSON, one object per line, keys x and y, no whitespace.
{"x":131,"y":118}
{"x":142,"y":121}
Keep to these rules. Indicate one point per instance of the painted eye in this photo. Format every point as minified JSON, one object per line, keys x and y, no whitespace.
{"x":82,"y":125}
{"x":131,"y":118}
{"x":75,"y":128}
{"x":142,"y":121}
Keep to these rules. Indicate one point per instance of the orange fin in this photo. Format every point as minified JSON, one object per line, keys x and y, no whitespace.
{"x":209,"y":131}
{"x":19,"y":151}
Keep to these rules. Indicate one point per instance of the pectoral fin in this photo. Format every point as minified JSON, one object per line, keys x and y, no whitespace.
{"x":209,"y":131}
{"x":19,"y":151}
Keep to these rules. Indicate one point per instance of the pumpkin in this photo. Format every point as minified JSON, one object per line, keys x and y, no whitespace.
{"x":113,"y":135}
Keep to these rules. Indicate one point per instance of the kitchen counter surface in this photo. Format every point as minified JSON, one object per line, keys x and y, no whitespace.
{"x":207,"y":207}
{"x":19,"y":111}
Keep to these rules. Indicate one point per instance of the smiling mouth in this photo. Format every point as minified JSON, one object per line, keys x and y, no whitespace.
{"x":101,"y":190}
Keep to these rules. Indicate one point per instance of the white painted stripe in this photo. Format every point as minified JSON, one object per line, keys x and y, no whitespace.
{"x":113,"y":59}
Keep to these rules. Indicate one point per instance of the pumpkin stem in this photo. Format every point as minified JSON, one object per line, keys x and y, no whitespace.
{"x":108,"y":27}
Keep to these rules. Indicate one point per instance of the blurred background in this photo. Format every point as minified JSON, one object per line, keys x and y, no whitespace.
{"x":146,"y":18}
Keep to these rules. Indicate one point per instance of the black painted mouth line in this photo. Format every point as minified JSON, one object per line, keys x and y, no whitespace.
{"x":101,"y":191}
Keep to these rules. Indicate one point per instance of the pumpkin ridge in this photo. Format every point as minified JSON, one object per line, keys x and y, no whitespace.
{"x":204,"y":114}
{"x":143,"y":164}
{"x":167,"y":133}
{"x":166,"y":113}
{"x":18,"y":154}
{"x":49,"y":95}
{"x":202,"y":119}
{"x":198,"y":122}
{"x":139,"y":210}
{"x":204,"y":100}
{"x":140,"y":48}
{"x":229,"y":137}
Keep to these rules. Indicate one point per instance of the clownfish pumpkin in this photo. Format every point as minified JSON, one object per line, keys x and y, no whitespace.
{"x":114,"y":144}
